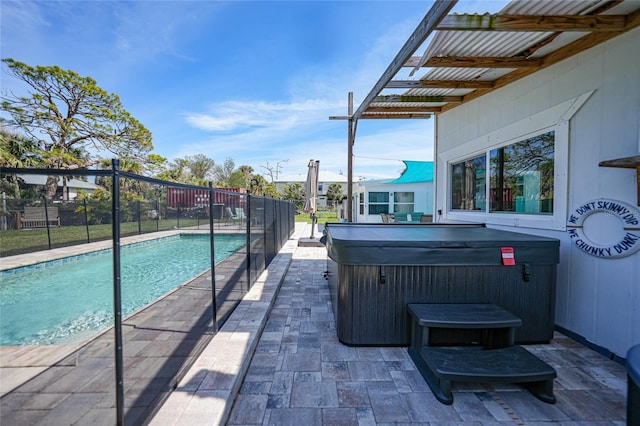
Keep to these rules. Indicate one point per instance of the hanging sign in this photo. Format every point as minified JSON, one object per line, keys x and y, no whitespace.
{"x":629,"y":215}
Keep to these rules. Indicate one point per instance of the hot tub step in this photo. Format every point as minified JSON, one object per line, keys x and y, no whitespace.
{"x":462,"y":315}
{"x":442,"y":365}
{"x":462,"y":324}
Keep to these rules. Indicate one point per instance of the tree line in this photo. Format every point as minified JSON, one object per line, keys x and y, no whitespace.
{"x":68,"y":122}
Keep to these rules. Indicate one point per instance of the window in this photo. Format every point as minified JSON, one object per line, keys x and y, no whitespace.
{"x":522,"y":176}
{"x":403,"y":202}
{"x":527,"y":171}
{"x":468,"y":184}
{"x":361,"y":202}
{"x":378,"y":202}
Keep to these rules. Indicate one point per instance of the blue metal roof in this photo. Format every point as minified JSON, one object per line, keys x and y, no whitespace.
{"x":416,"y":172}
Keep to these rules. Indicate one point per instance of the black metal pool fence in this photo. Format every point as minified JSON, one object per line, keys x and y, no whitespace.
{"x":30,"y":225}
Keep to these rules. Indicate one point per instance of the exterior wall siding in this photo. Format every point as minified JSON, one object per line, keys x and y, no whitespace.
{"x":423,"y":198}
{"x":597,"y":298}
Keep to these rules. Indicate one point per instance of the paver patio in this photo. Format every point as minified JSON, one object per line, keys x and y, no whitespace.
{"x":277,"y":361}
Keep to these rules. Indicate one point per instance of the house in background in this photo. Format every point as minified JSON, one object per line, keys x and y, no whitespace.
{"x":325,"y":179}
{"x":409,"y":193}
{"x":537,"y":131}
{"x":72,"y":186}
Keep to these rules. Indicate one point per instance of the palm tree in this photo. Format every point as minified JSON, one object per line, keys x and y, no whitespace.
{"x":201,"y":168}
{"x":335,"y":193}
{"x":17,"y":151}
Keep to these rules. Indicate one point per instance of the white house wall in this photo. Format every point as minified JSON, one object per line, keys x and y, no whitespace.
{"x":597,"y":298}
{"x":422,"y":202}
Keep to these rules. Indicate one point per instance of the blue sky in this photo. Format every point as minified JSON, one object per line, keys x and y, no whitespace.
{"x":254,"y":81}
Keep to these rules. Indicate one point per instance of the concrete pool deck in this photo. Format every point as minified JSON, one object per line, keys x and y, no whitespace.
{"x":20,"y":260}
{"x":277,"y":361}
{"x":65,"y":384}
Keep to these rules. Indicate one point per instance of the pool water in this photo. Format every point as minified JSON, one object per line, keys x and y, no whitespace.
{"x":65,"y":301}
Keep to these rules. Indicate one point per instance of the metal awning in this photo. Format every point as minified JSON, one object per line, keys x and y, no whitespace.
{"x":464,"y":56}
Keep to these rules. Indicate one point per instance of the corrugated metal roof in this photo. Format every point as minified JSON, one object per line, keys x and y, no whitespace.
{"x":468,"y":55}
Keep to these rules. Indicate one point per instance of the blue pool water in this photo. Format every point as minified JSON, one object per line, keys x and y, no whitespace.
{"x":66,"y":300}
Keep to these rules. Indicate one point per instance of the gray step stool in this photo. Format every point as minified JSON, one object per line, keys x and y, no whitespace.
{"x":492,"y":360}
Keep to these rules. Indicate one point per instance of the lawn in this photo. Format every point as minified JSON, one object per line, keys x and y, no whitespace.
{"x":13,"y":242}
{"x":21,"y":241}
{"x":323,"y":217}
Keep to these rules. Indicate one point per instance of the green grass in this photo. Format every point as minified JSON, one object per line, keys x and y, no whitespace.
{"x":21,"y":241}
{"x":321,"y":216}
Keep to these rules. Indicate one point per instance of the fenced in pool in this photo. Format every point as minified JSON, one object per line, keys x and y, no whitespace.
{"x":69,"y":299}
{"x":154,"y":346}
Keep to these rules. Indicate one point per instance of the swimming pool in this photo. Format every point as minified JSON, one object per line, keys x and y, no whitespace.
{"x":67,"y":300}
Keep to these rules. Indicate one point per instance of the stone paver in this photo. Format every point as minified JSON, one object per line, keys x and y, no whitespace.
{"x":306,"y":376}
{"x":161,"y":343}
{"x":277,"y":361}
{"x":206,"y":393}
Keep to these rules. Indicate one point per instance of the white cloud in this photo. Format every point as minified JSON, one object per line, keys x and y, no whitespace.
{"x":164,"y":27}
{"x":130,"y":46}
{"x":211,"y":123}
{"x":22,"y":17}
{"x":247,"y":115}
{"x":378,"y":151}
{"x":256,"y":131}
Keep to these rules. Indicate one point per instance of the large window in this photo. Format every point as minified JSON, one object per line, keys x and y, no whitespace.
{"x":403,"y":202}
{"x":521,"y":178}
{"x":527,"y":170}
{"x":469,"y":184}
{"x":378,"y":202}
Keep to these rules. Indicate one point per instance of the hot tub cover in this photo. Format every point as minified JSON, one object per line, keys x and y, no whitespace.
{"x":433,"y":244}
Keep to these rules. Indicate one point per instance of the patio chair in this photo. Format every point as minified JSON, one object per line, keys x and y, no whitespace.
{"x":232,"y":217}
{"x":387,"y":218}
{"x":416,"y":216}
{"x":240,"y":213}
{"x":402,"y":217}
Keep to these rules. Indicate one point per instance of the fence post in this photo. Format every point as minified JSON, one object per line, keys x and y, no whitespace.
{"x":248,"y":227}
{"x":139,"y":219}
{"x":86,"y":219}
{"x":213,"y":261}
{"x":157,"y":215}
{"x":46,"y":218}
{"x":117,"y":300}
{"x":3,"y":220}
{"x":265,"y":251}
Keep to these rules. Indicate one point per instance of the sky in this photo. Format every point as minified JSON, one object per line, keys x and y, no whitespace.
{"x":254,"y":81}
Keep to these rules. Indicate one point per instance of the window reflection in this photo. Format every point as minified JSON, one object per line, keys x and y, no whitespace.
{"x":378,"y":202}
{"x":403,"y":202}
{"x":522,"y":176}
{"x":469,"y":184}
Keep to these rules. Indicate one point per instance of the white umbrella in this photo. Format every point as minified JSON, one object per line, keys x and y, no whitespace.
{"x":311,"y":192}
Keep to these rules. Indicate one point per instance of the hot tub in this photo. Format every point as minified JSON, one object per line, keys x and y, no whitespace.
{"x":375,"y":270}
